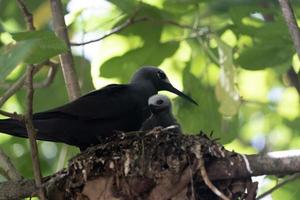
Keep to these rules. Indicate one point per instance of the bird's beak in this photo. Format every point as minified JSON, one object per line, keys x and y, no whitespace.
{"x":168,"y":87}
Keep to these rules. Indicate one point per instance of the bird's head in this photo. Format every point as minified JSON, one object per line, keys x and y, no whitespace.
{"x":158,"y":79}
{"x":159,"y":103}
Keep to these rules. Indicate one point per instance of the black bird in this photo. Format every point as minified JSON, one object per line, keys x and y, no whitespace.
{"x":98,"y":114}
{"x":161,"y":114}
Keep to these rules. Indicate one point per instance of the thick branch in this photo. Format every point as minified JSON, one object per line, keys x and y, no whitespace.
{"x":66,"y":59}
{"x":220,"y":169}
{"x":268,"y":164}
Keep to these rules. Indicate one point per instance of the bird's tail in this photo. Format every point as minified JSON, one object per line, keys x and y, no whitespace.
{"x":17,"y":128}
{"x":13,"y":127}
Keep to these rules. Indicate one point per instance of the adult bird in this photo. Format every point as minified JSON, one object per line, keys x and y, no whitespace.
{"x":98,"y":114}
{"x":161,"y":114}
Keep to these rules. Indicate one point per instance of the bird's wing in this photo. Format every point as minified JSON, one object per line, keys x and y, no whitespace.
{"x":109,"y":102}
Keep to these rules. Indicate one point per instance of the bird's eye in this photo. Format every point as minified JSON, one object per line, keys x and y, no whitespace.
{"x":161,"y":75}
{"x":159,"y":102}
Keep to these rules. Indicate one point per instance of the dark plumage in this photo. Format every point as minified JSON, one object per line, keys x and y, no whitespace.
{"x":161,"y":114}
{"x":98,"y":114}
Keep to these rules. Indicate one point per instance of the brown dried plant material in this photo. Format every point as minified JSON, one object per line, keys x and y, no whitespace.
{"x":157,"y":165}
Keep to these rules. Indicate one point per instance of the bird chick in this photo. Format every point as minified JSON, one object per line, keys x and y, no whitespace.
{"x":161,"y":114}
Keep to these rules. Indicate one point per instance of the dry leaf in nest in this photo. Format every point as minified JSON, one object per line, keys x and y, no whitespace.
{"x":153,"y":165}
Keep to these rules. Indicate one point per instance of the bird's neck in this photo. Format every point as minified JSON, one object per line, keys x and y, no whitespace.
{"x":146,"y":88}
{"x":165,"y":117}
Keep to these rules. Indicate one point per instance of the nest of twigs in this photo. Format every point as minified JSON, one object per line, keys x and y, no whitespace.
{"x":159,"y":164}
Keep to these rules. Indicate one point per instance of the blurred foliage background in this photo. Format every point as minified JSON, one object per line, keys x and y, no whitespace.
{"x":235,"y":57}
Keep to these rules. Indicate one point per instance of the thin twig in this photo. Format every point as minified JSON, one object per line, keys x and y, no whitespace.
{"x":50,"y":77}
{"x":45,"y":83}
{"x":28,"y":16}
{"x":291,"y":22}
{"x":117,"y":29}
{"x":28,"y":115}
{"x":279,"y":185}
{"x":12,"y":115}
{"x":132,"y":21}
{"x":205,"y":177}
{"x":32,"y":133}
{"x":17,"y":85}
{"x":8,"y":167}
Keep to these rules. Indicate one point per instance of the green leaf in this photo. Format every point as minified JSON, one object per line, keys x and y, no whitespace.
{"x":206,"y":116}
{"x":46,"y":45}
{"x":292,"y":124}
{"x":31,"y":47}
{"x":83,"y":69}
{"x":265,"y":54}
{"x":126,"y":6}
{"x":1,"y":27}
{"x":57,"y":89}
{"x":149,"y":31}
{"x":226,"y":91}
{"x":180,"y":6}
{"x":41,"y":95}
{"x":271,"y":44}
{"x":123,"y":66}
{"x":289,"y":191}
{"x":13,"y":54}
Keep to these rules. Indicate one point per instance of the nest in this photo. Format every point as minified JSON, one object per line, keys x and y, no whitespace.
{"x":159,"y":164}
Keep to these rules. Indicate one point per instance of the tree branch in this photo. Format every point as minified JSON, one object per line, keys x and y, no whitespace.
{"x":43,"y":84}
{"x":12,"y":115}
{"x":50,"y":77}
{"x":27,"y":15}
{"x":5,"y":162}
{"x":132,"y":21}
{"x":220,"y":169}
{"x":255,"y":165}
{"x":8,"y":168}
{"x":279,"y":185}
{"x":17,"y":189}
{"x":117,"y":29}
{"x":32,"y":133}
{"x":28,"y":115}
{"x":291,"y":22}
{"x":66,"y":59}
{"x":18,"y":85}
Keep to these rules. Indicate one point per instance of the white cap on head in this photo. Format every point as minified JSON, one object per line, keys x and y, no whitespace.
{"x":159,"y":100}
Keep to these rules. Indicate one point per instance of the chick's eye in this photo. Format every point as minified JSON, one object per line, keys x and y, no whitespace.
{"x":159,"y":102}
{"x":161,"y":75}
